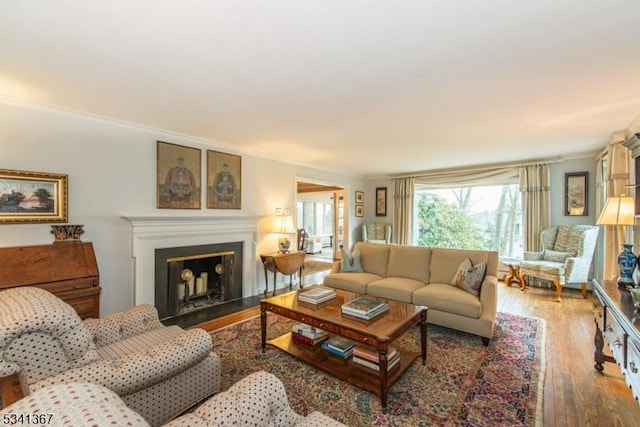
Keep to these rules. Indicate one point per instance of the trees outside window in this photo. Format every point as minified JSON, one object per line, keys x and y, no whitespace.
{"x":481,"y":217}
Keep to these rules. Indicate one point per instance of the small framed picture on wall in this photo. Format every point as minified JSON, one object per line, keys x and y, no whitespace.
{"x":359,"y":210}
{"x":575,"y":202}
{"x":381,"y":201}
{"x":360,"y":197}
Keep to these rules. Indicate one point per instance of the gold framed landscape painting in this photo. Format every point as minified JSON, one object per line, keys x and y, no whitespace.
{"x":27,"y":197}
{"x":178,"y":176}
{"x":224,"y":180}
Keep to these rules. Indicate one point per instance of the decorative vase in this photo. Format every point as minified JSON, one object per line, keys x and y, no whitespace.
{"x":284,"y":243}
{"x":627,"y":262}
{"x":67,"y":233}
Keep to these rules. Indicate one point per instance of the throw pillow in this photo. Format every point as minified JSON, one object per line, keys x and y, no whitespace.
{"x":469,"y":277}
{"x":351,"y":262}
{"x":556,"y":256}
{"x":562,"y":243}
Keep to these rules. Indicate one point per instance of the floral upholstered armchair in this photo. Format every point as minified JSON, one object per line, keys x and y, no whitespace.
{"x":376,"y":232}
{"x":158,"y":371}
{"x":566,"y":256}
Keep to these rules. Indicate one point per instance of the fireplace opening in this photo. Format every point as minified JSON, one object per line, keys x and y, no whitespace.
{"x":192,"y":281}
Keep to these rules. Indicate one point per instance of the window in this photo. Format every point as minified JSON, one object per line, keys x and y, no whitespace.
{"x":479,"y":217}
{"x":315,"y":217}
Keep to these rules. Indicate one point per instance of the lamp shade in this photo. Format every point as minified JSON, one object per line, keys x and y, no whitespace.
{"x":286,"y":225}
{"x":619,"y":210}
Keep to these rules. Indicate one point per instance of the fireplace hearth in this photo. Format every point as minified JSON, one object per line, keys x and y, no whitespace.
{"x":194,"y":278}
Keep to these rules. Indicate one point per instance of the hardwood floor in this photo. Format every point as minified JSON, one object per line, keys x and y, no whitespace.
{"x":575,"y":394}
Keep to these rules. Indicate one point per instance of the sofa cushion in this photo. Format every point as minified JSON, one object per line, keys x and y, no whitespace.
{"x":411,"y":262}
{"x":351,"y":262}
{"x":556,"y":256}
{"x":395,"y":288}
{"x":374,"y":257}
{"x":543,"y":267}
{"x":469,"y":277}
{"x":139,"y":343}
{"x":445,"y":263}
{"x":447,"y":298}
{"x":352,"y":282}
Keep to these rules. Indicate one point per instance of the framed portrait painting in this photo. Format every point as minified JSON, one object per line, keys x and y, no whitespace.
{"x":381,"y":201}
{"x":32,"y":197}
{"x":178,"y":176}
{"x":575,"y":203}
{"x":224,"y":180}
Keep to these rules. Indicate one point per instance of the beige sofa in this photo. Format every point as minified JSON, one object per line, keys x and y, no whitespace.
{"x":257,"y":400}
{"x":422,"y":276}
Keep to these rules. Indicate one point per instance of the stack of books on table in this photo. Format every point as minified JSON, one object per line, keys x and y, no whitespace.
{"x":364,"y":308}
{"x":308,"y":334}
{"x":339,"y":346}
{"x":369,"y":357}
{"x":317,"y":295}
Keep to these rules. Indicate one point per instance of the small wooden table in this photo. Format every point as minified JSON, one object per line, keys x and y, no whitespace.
{"x":286,"y":263}
{"x":514,"y":272}
{"x":379,"y":332}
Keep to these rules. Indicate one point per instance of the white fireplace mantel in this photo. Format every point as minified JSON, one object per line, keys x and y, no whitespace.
{"x":149,"y":233}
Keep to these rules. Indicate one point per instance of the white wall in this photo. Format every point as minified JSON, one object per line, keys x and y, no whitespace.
{"x":112,"y":172}
{"x":557,"y":172}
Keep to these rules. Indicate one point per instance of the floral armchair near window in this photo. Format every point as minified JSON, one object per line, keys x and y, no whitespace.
{"x":376,"y":232}
{"x":158,"y":371}
{"x":566,"y":256}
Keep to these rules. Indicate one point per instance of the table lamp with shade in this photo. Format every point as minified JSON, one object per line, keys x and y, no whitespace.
{"x":620,"y":210}
{"x":284,"y":227}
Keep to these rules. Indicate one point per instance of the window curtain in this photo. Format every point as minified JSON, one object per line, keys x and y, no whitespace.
{"x":536,"y":203}
{"x":616,"y":179}
{"x":403,"y":197}
{"x":498,"y":175}
{"x":599,"y":201}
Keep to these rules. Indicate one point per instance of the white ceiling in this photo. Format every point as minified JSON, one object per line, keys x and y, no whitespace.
{"x":369,"y":87}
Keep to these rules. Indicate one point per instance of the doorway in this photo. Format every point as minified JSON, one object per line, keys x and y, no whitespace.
{"x":320,"y":212}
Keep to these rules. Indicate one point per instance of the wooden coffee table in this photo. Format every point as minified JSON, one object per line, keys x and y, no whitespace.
{"x":379,"y":332}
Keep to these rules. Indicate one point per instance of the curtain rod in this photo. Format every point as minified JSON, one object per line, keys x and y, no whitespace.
{"x":479,"y":168}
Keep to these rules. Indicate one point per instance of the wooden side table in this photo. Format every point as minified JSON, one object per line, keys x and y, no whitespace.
{"x":286,"y":263}
{"x":514,"y":272}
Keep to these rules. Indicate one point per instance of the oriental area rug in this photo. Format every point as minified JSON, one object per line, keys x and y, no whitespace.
{"x":462,"y":384}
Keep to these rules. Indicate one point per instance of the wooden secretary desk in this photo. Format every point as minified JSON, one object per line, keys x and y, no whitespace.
{"x":67,"y":270}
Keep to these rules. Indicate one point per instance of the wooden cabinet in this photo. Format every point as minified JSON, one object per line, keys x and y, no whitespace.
{"x":617,"y":325}
{"x":67,"y":270}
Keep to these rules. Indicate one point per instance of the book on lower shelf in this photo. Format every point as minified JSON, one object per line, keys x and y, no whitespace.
{"x":339,"y":346}
{"x":307,"y":340}
{"x":371,"y":353}
{"x":365,"y":308}
{"x":309,"y":331}
{"x":317,"y":295}
{"x":391,"y":362}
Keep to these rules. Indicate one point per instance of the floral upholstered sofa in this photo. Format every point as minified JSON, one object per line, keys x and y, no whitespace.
{"x":158,"y":371}
{"x":458,"y":286}
{"x":257,"y":400}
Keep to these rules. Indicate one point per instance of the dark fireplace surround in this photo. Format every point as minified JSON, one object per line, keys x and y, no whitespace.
{"x":222,"y":265}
